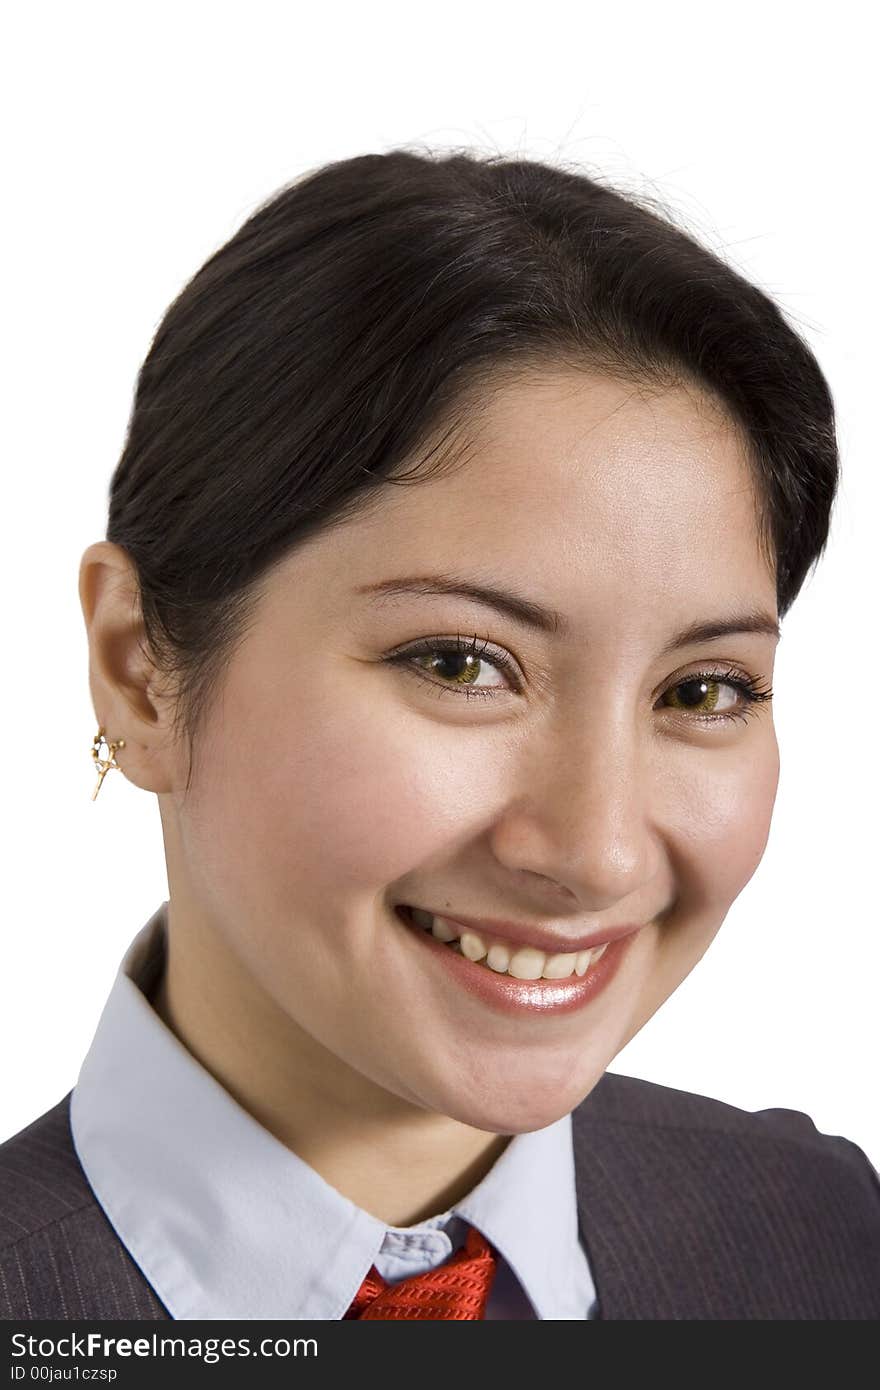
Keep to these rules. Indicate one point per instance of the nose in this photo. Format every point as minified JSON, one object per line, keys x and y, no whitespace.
{"x":583,"y":818}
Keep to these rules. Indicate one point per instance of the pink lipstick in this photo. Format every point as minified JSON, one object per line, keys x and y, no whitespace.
{"x":511,"y":996}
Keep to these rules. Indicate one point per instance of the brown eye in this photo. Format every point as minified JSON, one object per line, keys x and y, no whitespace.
{"x":701,"y":695}
{"x":461,"y":668}
{"x":456,"y":664}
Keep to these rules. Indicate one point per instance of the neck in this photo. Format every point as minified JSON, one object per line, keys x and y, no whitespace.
{"x":392,"y":1158}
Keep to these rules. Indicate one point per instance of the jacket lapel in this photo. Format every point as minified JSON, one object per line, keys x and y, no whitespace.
{"x":673,"y":1215}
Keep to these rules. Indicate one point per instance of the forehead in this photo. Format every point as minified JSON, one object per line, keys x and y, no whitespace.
{"x":631,"y":510}
{"x":584,"y":468}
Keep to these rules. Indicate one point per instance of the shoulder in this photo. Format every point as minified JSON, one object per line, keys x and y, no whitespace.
{"x":779,"y":1219}
{"x":620,"y":1101}
{"x":41,"y":1180}
{"x":59,"y":1255}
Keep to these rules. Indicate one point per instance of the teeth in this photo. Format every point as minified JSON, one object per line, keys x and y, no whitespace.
{"x":471,"y":945}
{"x":527,"y":963}
{"x":557,"y":967}
{"x":498,"y":959}
{"x":443,"y":930}
{"x":522,"y":962}
{"x":582,"y":962}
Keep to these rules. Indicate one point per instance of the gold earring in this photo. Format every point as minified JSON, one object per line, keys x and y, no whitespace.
{"x":104,"y":764}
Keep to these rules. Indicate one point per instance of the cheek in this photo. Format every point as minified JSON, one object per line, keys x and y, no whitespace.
{"x":723,"y":814}
{"x":717,"y":815}
{"x":344,"y":795}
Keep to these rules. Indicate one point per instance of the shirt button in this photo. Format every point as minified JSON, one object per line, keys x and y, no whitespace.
{"x":416,"y":1245}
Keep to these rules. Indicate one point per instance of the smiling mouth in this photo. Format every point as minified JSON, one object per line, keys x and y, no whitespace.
{"x":503,"y":958}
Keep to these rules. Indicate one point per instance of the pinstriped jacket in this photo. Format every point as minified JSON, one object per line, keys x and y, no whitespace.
{"x":689,"y":1208}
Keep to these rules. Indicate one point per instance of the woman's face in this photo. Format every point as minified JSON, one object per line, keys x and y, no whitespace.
{"x":577,"y":791}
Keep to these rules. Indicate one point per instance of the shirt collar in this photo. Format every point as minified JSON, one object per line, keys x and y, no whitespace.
{"x":226,"y":1222}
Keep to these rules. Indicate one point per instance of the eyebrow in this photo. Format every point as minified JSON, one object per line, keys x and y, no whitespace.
{"x":535,"y":615}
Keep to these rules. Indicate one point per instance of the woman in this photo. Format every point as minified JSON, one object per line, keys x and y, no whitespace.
{"x":460,"y":504}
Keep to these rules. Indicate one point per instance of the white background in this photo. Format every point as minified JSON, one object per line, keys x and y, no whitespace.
{"x":138,"y":138}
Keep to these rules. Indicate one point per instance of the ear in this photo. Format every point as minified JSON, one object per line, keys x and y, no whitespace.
{"x":128,"y":694}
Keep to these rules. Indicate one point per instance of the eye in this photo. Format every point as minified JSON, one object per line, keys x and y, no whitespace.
{"x":458,"y":661}
{"x":456,"y":664}
{"x":703,"y":689}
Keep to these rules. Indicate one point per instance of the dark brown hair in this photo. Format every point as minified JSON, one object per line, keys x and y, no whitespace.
{"x":349,"y":329}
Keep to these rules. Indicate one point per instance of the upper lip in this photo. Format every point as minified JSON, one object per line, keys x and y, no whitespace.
{"x":546,"y":939}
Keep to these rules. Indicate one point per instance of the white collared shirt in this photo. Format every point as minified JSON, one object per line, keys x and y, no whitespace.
{"x":225,"y":1221}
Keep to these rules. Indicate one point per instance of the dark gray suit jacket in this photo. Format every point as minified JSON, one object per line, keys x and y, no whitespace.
{"x":689,"y":1208}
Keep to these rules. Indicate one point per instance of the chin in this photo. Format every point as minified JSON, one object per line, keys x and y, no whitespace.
{"x":519,"y":1111}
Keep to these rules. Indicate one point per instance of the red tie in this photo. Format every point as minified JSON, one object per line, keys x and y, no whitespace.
{"x":457,"y":1289}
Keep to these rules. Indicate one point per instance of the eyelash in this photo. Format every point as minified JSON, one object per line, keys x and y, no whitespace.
{"x":749,"y":687}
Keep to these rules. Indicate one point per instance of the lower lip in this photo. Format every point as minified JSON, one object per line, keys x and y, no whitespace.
{"x":510,"y":996}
